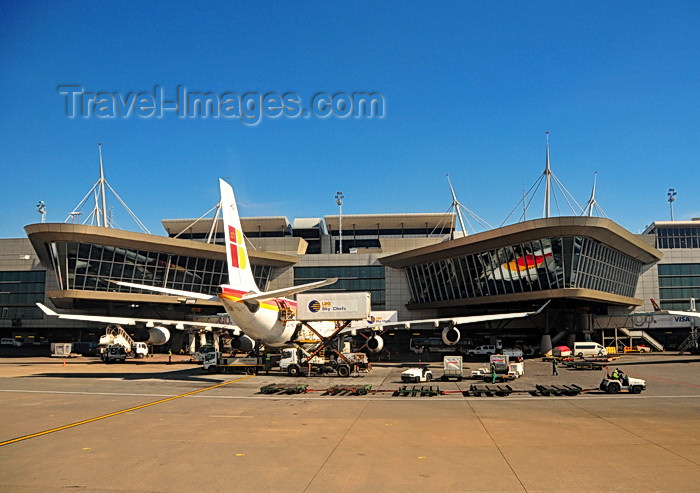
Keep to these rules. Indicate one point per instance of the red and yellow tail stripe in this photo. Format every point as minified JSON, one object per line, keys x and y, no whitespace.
{"x":238,"y":252}
{"x":236,"y":294}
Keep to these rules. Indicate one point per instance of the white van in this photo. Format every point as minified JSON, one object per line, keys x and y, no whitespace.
{"x":588,"y":348}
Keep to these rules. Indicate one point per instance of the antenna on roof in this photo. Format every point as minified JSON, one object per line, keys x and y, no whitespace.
{"x":549,"y":192}
{"x":459,"y":208}
{"x":99,"y":212}
{"x":592,"y":203}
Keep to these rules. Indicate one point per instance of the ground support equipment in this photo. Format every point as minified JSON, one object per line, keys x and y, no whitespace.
{"x":279,"y":388}
{"x":418,"y":391}
{"x":349,"y":390}
{"x":557,"y":390}
{"x":584,"y":365}
{"x":488,"y":390}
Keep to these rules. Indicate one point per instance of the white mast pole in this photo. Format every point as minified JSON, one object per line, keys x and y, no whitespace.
{"x":547,"y":176}
{"x":102,"y":189}
{"x":456,"y":205}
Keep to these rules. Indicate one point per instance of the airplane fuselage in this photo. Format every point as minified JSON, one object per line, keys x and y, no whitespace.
{"x":272,"y":322}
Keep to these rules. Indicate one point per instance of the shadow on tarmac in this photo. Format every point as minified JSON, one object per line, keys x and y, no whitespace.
{"x":189,"y":375}
{"x":655,"y":362}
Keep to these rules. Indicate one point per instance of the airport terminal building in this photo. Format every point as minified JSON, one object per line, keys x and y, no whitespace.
{"x":414,"y":264}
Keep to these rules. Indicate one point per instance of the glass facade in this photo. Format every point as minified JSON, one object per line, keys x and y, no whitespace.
{"x":548,"y":263}
{"x":350,"y":278}
{"x":91,"y":267}
{"x":677,"y":284}
{"x":19,"y":293}
{"x":683,"y":237}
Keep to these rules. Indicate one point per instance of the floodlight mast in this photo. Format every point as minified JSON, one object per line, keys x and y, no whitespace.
{"x":671,"y":198}
{"x":41,"y":209}
{"x":339,"y":200}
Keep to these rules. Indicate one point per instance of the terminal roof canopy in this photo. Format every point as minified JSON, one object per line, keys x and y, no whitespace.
{"x":424,"y":221}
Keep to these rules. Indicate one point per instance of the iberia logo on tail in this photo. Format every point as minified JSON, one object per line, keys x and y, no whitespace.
{"x":238,"y":255}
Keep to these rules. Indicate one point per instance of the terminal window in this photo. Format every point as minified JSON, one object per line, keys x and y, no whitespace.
{"x":369,"y":278}
{"x":19,"y":293}
{"x":677,"y":284}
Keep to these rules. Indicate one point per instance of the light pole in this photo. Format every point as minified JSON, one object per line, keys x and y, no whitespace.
{"x":671,"y":197}
{"x":339,"y":200}
{"x":41,"y":209}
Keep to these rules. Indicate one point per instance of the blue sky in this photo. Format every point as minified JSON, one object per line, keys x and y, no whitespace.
{"x":469,"y":89}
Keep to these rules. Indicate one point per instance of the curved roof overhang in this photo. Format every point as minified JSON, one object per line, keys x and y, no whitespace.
{"x":42,"y":233}
{"x":598,"y":228}
{"x":527,"y":299}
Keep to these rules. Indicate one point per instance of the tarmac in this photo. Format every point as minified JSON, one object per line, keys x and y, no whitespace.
{"x":146,"y":425}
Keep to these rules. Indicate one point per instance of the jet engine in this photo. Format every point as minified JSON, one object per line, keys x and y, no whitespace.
{"x":375,"y":344}
{"x":158,"y":336}
{"x":242,"y":343}
{"x":450,"y":336}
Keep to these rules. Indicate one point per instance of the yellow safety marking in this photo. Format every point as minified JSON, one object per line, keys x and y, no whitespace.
{"x":46,"y":432}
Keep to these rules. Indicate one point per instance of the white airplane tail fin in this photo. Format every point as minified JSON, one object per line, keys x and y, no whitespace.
{"x":240,"y":274}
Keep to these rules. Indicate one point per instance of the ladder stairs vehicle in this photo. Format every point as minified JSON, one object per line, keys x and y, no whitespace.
{"x":115,"y":334}
{"x":559,"y":336}
{"x":644,"y":335}
{"x":690,"y":342}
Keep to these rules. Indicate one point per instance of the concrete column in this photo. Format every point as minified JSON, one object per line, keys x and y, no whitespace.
{"x":545,"y":343}
{"x":202,"y":339}
{"x":191,"y":343}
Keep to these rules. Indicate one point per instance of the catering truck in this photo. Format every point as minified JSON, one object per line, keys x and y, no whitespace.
{"x":296,"y":362}
{"x":215,"y":362}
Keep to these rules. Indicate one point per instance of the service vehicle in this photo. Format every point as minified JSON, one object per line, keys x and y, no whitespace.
{"x":480,"y":373}
{"x":613,"y":385}
{"x":116,"y":335}
{"x":452,"y":368}
{"x":641,"y":348}
{"x":500,"y":364}
{"x":61,"y":349}
{"x":516,"y":369}
{"x":139,"y":350}
{"x":484,"y":350}
{"x":513,"y":353}
{"x":419,"y":345}
{"x":215,"y":362}
{"x":296,"y":362}
{"x":588,"y":348}
{"x":417,"y":375}
{"x":114,"y":353}
{"x":205,"y":349}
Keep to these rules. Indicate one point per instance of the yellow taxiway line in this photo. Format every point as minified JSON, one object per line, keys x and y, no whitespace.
{"x":85,"y":421}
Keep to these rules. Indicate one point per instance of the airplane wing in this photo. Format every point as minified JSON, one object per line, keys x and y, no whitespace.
{"x":469,"y":319}
{"x":149,"y":322}
{"x":252,"y":296}
{"x":678,"y":313}
{"x":174,"y":292}
{"x":280,"y":293}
